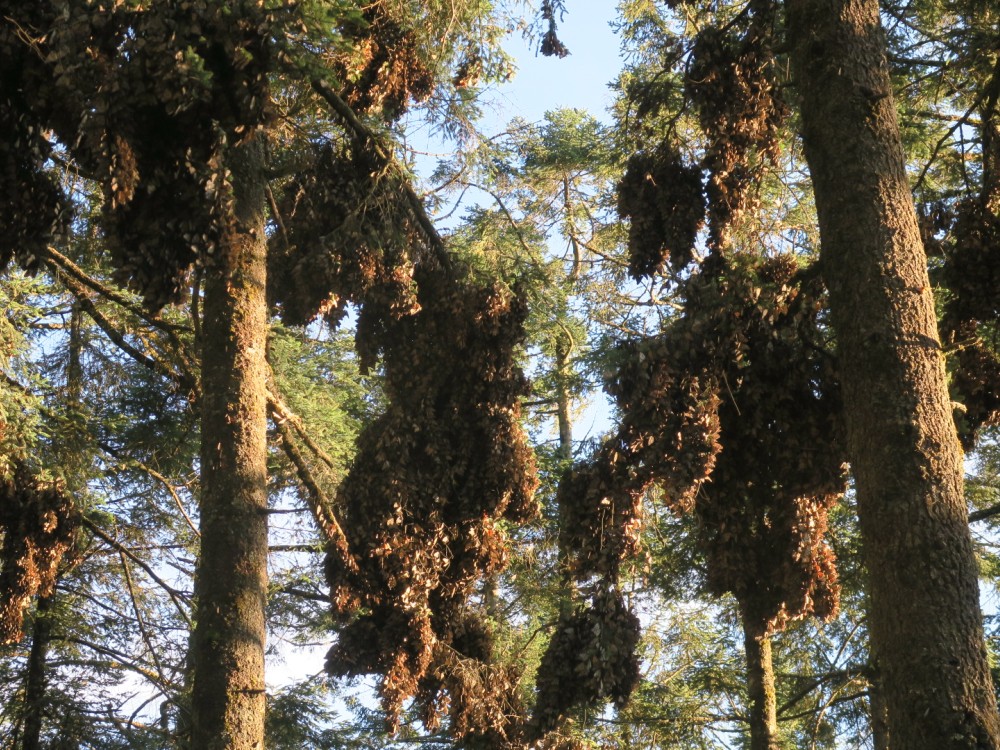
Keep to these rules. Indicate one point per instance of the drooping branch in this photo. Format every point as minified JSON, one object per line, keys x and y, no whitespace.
{"x":71,"y":269}
{"x":319,"y":503}
{"x":284,"y":415}
{"x":184,"y":379}
{"x":163,"y":480}
{"x":984,"y":513}
{"x":179,"y":599}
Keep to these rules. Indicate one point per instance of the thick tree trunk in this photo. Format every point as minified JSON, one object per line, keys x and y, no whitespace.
{"x":926,"y":625}
{"x":762,"y":703}
{"x":231,"y":582}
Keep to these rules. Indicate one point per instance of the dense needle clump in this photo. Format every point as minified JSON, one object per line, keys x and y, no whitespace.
{"x":435,"y":480}
{"x":38,"y":522}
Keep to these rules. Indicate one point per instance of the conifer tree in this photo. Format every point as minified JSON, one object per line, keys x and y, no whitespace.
{"x":169,"y":107}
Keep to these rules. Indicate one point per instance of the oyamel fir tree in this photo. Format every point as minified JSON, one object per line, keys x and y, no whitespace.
{"x":168,"y":106}
{"x":927,"y":630}
{"x":182,"y":176}
{"x":896,"y":403}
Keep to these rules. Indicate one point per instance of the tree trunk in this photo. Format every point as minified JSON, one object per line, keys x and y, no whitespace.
{"x":568,"y":589}
{"x":762,"y":704}
{"x":879,"y":719}
{"x":70,"y":460}
{"x":35,"y":677}
{"x":564,"y":347}
{"x":231,"y":580}
{"x":926,"y":625}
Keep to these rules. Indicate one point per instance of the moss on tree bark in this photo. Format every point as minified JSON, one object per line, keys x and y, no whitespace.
{"x":926,"y":624}
{"x":231,"y":580}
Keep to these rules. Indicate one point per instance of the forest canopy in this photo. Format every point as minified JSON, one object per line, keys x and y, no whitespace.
{"x":277,"y":390}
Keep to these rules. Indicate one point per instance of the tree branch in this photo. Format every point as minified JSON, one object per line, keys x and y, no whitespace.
{"x":178,"y":598}
{"x":365,"y":135}
{"x":319,"y":503}
{"x":982,"y":515}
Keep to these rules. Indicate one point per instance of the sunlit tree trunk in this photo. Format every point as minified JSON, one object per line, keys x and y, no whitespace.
{"x":231,"y":582}
{"x":564,"y":396}
{"x":564,"y":421}
{"x":926,"y":624}
{"x":762,"y":703}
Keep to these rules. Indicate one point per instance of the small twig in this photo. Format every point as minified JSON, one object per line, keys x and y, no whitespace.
{"x":139,"y":619}
{"x":161,"y":479}
{"x":276,"y":213}
{"x":944,"y":139}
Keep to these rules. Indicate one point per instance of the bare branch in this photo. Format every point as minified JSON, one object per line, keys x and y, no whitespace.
{"x":179,"y":599}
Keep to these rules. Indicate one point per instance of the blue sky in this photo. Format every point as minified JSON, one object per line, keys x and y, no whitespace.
{"x":578,"y":81}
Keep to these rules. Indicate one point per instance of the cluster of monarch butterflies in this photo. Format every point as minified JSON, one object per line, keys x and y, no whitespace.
{"x":970,"y":275}
{"x":733,"y":410}
{"x":435,"y":479}
{"x":732,"y":83}
{"x":38,"y":522}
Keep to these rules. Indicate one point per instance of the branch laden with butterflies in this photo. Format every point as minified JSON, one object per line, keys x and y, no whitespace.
{"x":442,"y":473}
{"x":434,"y":483}
{"x":733,"y":411}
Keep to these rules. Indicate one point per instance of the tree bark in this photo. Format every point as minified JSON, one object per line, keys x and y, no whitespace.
{"x":879,"y":719}
{"x":568,"y":589}
{"x":35,"y":677}
{"x":231,"y":580}
{"x":926,"y":624}
{"x":564,"y":347}
{"x":762,"y":704}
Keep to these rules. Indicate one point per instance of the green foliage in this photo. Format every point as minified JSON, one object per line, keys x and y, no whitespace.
{"x":21,"y":424}
{"x":320,"y":380}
